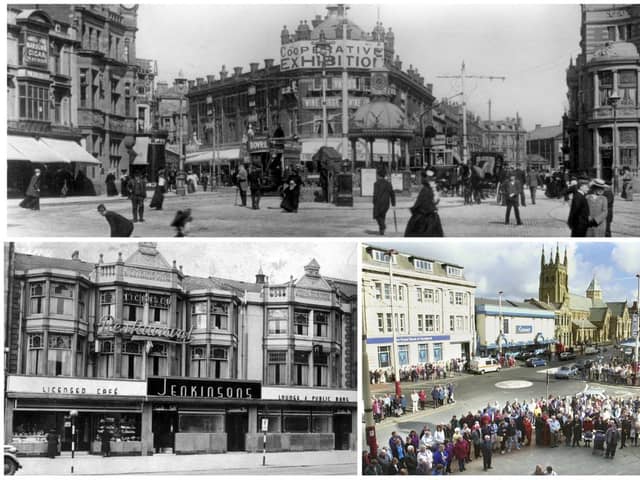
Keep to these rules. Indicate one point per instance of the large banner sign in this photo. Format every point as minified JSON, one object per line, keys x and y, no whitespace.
{"x":36,"y":50}
{"x":348,"y":53}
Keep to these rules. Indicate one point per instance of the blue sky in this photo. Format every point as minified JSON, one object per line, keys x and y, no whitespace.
{"x":530,"y":44}
{"x":514,"y":266}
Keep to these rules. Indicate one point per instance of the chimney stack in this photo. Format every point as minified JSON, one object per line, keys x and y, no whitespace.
{"x":237,"y":71}
{"x":211,"y":78}
{"x":199,"y":81}
{"x":191,"y":83}
{"x":223,"y":72}
{"x":268,"y":63}
{"x":253,"y":66}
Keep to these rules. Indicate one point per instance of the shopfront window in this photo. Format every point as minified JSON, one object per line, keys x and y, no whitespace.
{"x":320,"y":323}
{"x":105,"y":358}
{"x":107,"y":304}
{"x":277,"y":321}
{"x":300,"y":371}
{"x":133,"y":306}
{"x":219,"y":362}
{"x":320,"y":421}
{"x":159,"y":308}
{"x":35,"y":355}
{"x":437,"y":352}
{"x":199,"y":315}
{"x":201,"y":422}
{"x":276,"y":367}
{"x":61,"y":302}
{"x":131,"y":360}
{"x":423,"y":353}
{"x":384,"y":356}
{"x":301,"y":322}
{"x":296,"y":421}
{"x":122,"y":427}
{"x":320,"y":369}
{"x":59,"y":355}
{"x":198,"y":362}
{"x":403,"y":354}
{"x":219,"y":315}
{"x":37,"y":297}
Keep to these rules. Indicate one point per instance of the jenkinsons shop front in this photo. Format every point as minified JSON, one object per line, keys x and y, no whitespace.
{"x":180,"y":415}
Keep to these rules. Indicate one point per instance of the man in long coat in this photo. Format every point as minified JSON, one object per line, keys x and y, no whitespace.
{"x":383,"y":196}
{"x":137,"y":193}
{"x":578,"y":220}
{"x":512,"y":189}
{"x":243,"y":184}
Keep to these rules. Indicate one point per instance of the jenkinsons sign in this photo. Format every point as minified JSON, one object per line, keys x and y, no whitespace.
{"x":203,"y":389}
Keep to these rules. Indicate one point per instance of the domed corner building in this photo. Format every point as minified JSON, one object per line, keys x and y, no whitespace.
{"x":272,"y":117}
{"x":608,"y":63}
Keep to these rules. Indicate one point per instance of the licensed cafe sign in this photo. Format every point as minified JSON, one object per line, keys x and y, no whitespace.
{"x":77,"y":387}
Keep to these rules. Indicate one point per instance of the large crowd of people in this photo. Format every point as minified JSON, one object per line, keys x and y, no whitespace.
{"x":590,"y":420}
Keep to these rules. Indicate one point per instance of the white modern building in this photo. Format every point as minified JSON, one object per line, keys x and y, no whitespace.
{"x":505,"y":325}
{"x":427,"y":305}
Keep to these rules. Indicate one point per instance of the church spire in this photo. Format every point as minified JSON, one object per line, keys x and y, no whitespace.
{"x":558,"y":254}
{"x":542,"y":257}
{"x":565,"y":256}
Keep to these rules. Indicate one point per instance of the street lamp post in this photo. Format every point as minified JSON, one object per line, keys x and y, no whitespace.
{"x":500,"y":340}
{"x":636,"y":323}
{"x":366,"y":390}
{"x":211,"y":110}
{"x":613,"y":100}
{"x":181,"y":176}
{"x":394,"y":346}
{"x":323,"y":48}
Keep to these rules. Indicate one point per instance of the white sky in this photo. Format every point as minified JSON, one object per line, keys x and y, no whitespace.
{"x":231,"y":259}
{"x":514,"y":266}
{"x":529,"y":44}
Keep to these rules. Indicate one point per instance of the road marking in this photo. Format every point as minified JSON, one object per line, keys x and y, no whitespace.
{"x":550,"y":370}
{"x":513,"y":384}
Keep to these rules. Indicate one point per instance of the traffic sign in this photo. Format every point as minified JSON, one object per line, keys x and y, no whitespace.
{"x":634,"y":325}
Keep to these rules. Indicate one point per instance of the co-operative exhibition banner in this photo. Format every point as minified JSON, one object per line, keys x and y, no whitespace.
{"x":349,"y":53}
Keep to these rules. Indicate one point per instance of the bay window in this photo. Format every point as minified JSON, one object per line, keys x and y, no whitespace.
{"x":133,"y":306}
{"x":199,"y":315}
{"x":198,"y":367}
{"x":35,"y":355}
{"x":320,"y":323}
{"x":277,"y":321}
{"x":277,"y":367}
{"x":219,"y":362}
{"x":61,"y":302}
{"x":36,"y":296}
{"x":131,"y":366}
{"x":320,"y":369}
{"x":300,"y":371}
{"x":59,"y":357}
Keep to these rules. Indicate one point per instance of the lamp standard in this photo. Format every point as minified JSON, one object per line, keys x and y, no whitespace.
{"x":323,"y":48}
{"x":211,"y":110}
{"x":366,"y":390}
{"x":180,"y":177}
{"x":500,"y":340}
{"x":613,"y":100}
{"x":394,"y":346}
{"x":636,"y":325}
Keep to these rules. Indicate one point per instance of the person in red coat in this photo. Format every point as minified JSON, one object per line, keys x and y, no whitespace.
{"x":527,"y":430}
{"x":460,"y":452}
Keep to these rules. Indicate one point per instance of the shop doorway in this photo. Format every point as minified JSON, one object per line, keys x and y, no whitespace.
{"x":83,"y":432}
{"x":342,"y":430}
{"x":237,"y":426}
{"x":164,"y":425}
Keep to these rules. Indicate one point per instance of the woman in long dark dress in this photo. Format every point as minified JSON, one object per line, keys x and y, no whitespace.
{"x":110,"y":181}
{"x":32,"y":195}
{"x":425,"y":221}
{"x":158,"y":195}
{"x":289,"y":197}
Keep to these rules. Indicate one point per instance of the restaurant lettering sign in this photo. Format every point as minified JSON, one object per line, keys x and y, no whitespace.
{"x":109,"y":326}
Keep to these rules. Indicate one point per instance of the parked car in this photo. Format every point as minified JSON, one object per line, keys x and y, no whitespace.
{"x":568,"y":355}
{"x":536,"y":362}
{"x":11,"y":463}
{"x":566,"y":371}
{"x":591,"y":350}
{"x":524,"y":355}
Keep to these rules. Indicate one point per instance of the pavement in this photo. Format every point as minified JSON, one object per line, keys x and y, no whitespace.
{"x":332,"y":462}
{"x":217,"y":214}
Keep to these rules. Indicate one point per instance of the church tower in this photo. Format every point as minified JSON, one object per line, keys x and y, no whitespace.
{"x":553,"y":285}
{"x":594,"y":292}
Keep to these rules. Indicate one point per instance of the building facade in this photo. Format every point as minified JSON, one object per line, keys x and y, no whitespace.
{"x":507,"y":137}
{"x":603,"y":135}
{"x":169,"y":362}
{"x":505,"y":325}
{"x":544,"y":148}
{"x":426,"y":305}
{"x":272,"y":115}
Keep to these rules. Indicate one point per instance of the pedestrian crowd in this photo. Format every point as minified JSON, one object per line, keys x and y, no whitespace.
{"x":613,"y":371}
{"x":422,"y":371}
{"x":572,"y":421}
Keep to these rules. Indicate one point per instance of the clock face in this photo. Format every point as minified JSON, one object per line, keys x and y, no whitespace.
{"x":379,"y":82}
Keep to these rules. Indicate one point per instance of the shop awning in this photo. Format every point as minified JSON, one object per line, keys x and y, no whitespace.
{"x":207,"y":155}
{"x":140,"y":148}
{"x":71,"y":150}
{"x":31,"y":149}
{"x":14,"y":154}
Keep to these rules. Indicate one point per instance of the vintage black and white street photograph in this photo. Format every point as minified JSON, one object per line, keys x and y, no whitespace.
{"x":181,"y":358}
{"x":521,"y":361}
{"x":335,"y":120}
